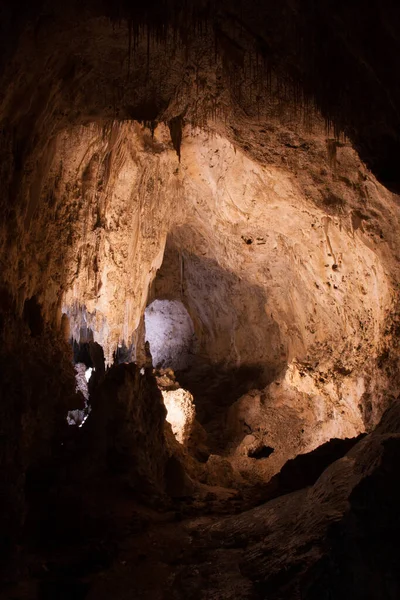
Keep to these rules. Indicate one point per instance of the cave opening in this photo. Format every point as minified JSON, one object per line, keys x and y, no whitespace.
{"x":170,"y":333}
{"x":88,"y":364}
{"x":83,"y":366}
{"x":81,"y":351}
{"x":261,"y":452}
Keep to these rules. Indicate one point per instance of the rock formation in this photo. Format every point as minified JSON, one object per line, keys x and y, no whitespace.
{"x":210,"y":189}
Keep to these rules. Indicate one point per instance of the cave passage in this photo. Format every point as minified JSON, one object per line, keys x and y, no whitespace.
{"x":199,"y":300}
{"x":210,"y":327}
{"x":170,"y":333}
{"x":86,"y":354}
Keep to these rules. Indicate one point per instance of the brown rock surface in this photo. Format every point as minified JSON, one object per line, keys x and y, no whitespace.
{"x":308,"y":299}
{"x":312,"y":542}
{"x":197,"y":152}
{"x":37,"y":390}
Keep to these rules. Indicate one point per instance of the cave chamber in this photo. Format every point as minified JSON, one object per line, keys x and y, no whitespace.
{"x":199,"y":232}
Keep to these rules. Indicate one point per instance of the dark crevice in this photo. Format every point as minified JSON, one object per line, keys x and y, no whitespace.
{"x":175,"y":126}
{"x":33,"y":316}
{"x":261,"y":452}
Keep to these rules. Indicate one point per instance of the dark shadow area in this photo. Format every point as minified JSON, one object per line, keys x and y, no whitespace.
{"x":33,"y":316}
{"x":231,"y":324}
{"x":215,"y":388}
{"x":382,"y":156}
{"x":124,"y":354}
{"x":63,"y":589}
{"x":259,"y":453}
{"x":238,"y":345}
{"x":82,"y":353}
{"x":304,"y":470}
{"x":67,"y":64}
{"x":91,"y":354}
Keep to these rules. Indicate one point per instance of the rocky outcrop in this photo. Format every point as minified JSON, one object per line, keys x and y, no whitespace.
{"x":288,"y":420}
{"x":336,"y":539}
{"x":125,"y":431}
{"x":181,"y":413}
{"x":37,"y":390}
{"x":305,"y":469}
{"x":182,"y":152}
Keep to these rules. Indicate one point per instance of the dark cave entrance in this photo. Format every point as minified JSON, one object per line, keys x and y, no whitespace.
{"x":261,"y":452}
{"x":88,"y":361}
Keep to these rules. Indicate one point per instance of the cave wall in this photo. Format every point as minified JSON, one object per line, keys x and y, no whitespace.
{"x":125,"y":433}
{"x":89,"y":197}
{"x":282,"y":250}
{"x":74,"y":83}
{"x":37,"y":390}
{"x":231,"y":324}
{"x":297,"y":243}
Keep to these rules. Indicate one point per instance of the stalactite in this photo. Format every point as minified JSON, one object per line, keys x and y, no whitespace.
{"x":175,"y":126}
{"x":129,"y":49}
{"x":241,"y":47}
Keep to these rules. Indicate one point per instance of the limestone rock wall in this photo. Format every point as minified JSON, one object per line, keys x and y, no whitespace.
{"x":280,"y":243}
{"x":348,"y":517}
{"x":286,"y":256}
{"x":287,"y":246}
{"x":316,"y":271}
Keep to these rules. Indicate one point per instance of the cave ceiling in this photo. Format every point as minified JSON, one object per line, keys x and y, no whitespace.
{"x":239,"y":160}
{"x":148,"y":61}
{"x":206,"y":124}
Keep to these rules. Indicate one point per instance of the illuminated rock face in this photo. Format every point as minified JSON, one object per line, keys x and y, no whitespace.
{"x":142,"y":164}
{"x":180,"y":413}
{"x":170,"y":333}
{"x":284,"y":258}
{"x":281,"y":259}
{"x":279,"y":243}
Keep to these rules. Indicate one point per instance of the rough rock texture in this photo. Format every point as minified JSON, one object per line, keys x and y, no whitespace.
{"x":288,"y":421}
{"x":305,"y":469}
{"x":288,"y":261}
{"x":285,"y":260}
{"x":307,"y":544}
{"x":125,"y":431}
{"x":305,"y":288}
{"x":77,"y":417}
{"x":199,"y":128}
{"x":170,"y":60}
{"x":37,"y":390}
{"x":336,"y":539}
{"x":181,"y":413}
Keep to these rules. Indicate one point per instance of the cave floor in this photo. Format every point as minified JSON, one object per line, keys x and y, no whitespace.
{"x":127,"y":550}
{"x":96,"y":540}
{"x":99,"y":541}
